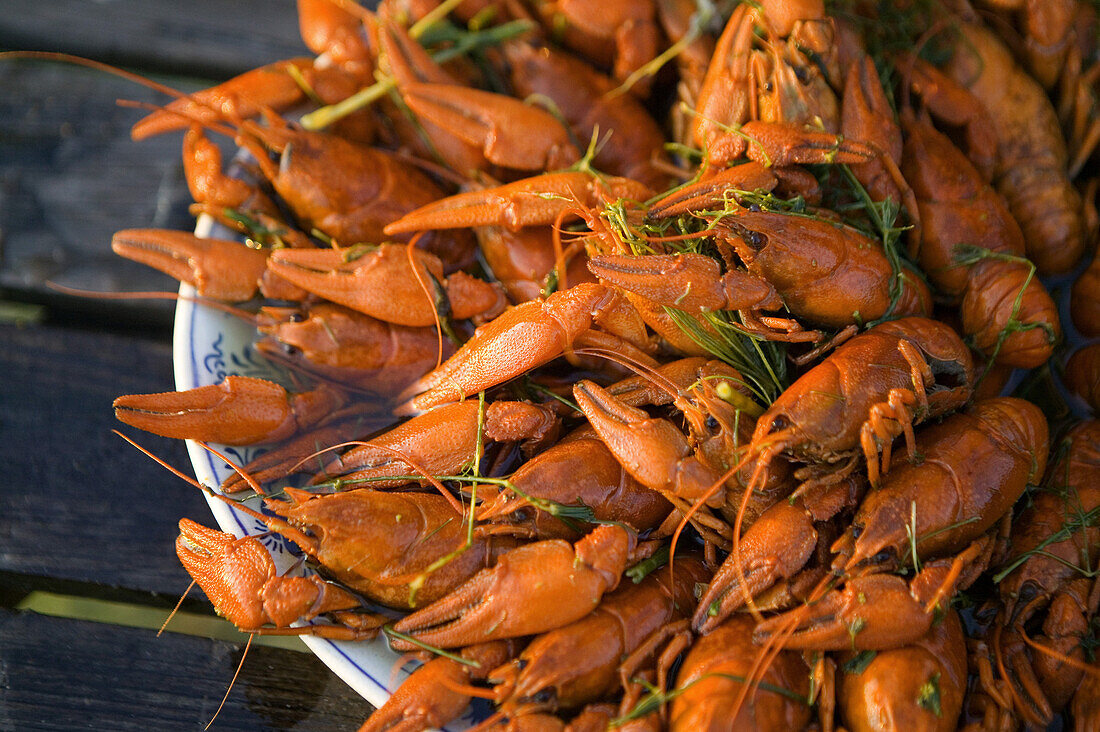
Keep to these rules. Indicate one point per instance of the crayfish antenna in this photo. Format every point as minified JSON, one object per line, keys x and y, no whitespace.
{"x":417,"y":468}
{"x":272,"y":522}
{"x":764,"y":454}
{"x":154,"y":295}
{"x":114,"y":71}
{"x":175,"y":609}
{"x":232,"y":681}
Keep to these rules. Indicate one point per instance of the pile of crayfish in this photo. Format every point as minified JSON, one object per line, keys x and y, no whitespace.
{"x":648,"y":357}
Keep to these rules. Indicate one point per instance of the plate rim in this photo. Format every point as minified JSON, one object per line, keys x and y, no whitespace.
{"x":336,"y":655}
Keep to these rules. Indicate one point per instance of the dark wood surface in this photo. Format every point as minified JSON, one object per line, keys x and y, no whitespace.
{"x":83,"y":515}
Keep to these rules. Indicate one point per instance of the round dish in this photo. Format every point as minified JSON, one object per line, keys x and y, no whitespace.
{"x":207,"y":345}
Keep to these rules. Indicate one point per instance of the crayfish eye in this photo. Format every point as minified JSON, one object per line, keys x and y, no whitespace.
{"x":290,"y":350}
{"x":712,"y":424}
{"x":882,"y":557}
{"x":542,"y":696}
{"x":780,"y":422}
{"x":1028,"y":592}
{"x":297,"y":317}
{"x":755,"y":239}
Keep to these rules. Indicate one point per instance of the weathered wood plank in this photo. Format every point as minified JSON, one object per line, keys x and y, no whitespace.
{"x":78,"y":502}
{"x":208,"y":38}
{"x":70,"y":177}
{"x":58,"y":674}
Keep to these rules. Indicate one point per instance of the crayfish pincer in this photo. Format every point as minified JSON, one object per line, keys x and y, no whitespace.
{"x":239,"y":577}
{"x":241,"y":410}
{"x":531,"y":589}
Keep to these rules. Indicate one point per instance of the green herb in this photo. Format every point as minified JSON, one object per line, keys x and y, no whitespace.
{"x":858,"y":663}
{"x":854,"y":629}
{"x":639,"y":571}
{"x":911,"y":532}
{"x":705,"y":12}
{"x":763,"y":364}
{"x":880,"y":223}
{"x":463,"y":42}
{"x":1080,"y":522}
{"x":389,"y":631}
{"x":968,"y":254}
{"x":929,"y":695}
{"x":256,"y":232}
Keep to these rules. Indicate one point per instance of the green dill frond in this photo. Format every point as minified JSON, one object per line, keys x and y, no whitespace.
{"x":877,"y":220}
{"x":705,"y":12}
{"x":453,"y":41}
{"x":890,"y":28}
{"x":928,"y":697}
{"x":527,"y":388}
{"x":858,"y":663}
{"x":1076,"y":520}
{"x":762,"y":363}
{"x":618,"y":218}
{"x":966,"y":254}
{"x":390,"y":632}
{"x":643,"y":568}
{"x":911,"y":532}
{"x":259,"y":236}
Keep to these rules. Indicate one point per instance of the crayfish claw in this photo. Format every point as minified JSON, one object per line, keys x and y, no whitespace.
{"x":239,"y":577}
{"x":652,"y":450}
{"x":216,"y":268}
{"x":714,"y":191}
{"x":536,"y":201}
{"x":776,"y":546}
{"x":532,"y":589}
{"x":876,"y":612}
{"x":241,"y":410}
{"x":508,"y":132}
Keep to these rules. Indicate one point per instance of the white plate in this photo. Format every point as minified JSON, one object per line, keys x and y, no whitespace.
{"x":208,"y":345}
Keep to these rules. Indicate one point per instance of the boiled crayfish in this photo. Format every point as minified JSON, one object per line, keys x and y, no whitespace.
{"x":729,"y":400}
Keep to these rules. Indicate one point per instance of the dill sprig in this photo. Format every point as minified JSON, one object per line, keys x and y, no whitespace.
{"x":462,"y":42}
{"x":761,"y":362}
{"x":645,"y":567}
{"x":878,"y":220}
{"x":1081,"y":520}
{"x":911,"y":550}
{"x":891,"y":28}
{"x":475,"y":462}
{"x":527,"y":387}
{"x":967,"y":254}
{"x":259,"y":235}
{"x":706,"y":11}
{"x":858,"y":663}
{"x":721,"y":333}
{"x":390,"y":632}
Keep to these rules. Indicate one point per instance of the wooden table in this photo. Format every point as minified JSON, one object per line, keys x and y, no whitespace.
{"x":87,"y":523}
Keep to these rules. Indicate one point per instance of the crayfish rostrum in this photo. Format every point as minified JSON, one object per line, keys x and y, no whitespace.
{"x":702,"y":434}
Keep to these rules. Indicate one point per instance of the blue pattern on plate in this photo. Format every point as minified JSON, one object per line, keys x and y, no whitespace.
{"x":226,"y":349}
